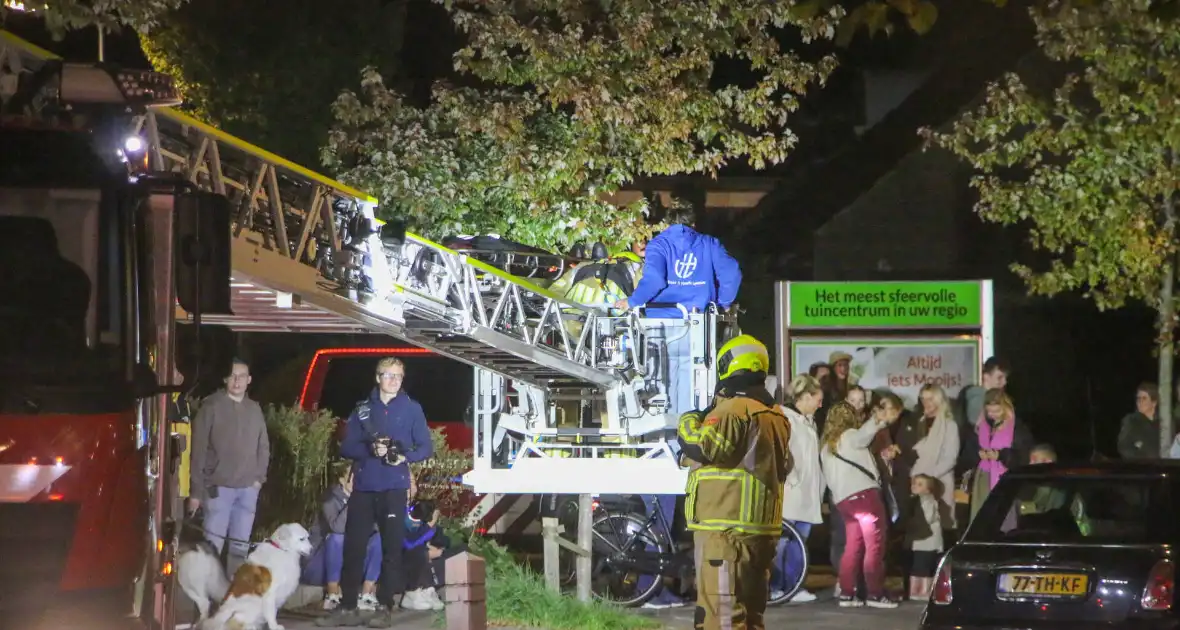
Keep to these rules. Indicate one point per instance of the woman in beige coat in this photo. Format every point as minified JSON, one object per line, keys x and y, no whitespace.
{"x":803,"y":492}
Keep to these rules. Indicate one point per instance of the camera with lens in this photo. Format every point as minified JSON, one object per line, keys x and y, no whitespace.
{"x":394,"y":451}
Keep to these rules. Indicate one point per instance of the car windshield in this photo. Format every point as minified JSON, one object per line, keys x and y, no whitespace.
{"x":62,"y":320}
{"x":1085,"y":509}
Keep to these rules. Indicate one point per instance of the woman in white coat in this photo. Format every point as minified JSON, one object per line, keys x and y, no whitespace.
{"x":804,"y":490}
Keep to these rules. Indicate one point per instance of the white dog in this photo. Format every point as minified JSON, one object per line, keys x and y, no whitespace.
{"x":198,"y":569}
{"x":262,"y":585}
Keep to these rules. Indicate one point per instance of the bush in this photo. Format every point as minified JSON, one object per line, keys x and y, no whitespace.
{"x":439,"y":478}
{"x":301,"y":448}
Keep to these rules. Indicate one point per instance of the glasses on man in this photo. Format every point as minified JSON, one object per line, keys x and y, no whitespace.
{"x":392,"y":376}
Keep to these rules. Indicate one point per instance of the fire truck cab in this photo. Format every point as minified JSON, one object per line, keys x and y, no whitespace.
{"x":95,"y":252}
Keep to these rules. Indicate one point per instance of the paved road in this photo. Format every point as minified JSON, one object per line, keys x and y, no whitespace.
{"x":823,"y":615}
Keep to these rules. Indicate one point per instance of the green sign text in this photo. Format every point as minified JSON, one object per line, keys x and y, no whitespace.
{"x":885,"y":305}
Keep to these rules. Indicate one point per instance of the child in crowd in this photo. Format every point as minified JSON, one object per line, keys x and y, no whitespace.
{"x":327,"y":538}
{"x":924,"y":535}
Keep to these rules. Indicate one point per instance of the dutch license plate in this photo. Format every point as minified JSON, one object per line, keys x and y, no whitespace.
{"x":1044,"y":584}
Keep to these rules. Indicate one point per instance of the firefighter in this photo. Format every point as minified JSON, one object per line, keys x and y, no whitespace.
{"x":739,"y":459}
{"x":602,"y":282}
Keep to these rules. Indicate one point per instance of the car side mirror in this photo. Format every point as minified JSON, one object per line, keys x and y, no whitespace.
{"x":203,"y":244}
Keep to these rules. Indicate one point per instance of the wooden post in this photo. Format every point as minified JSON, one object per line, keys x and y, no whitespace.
{"x":585,"y":541}
{"x":550,"y":532}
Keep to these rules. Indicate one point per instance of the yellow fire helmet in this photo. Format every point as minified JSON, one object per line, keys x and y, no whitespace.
{"x":742,"y":354}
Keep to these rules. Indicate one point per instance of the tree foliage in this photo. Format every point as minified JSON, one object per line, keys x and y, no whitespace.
{"x":637,"y":77}
{"x":577,"y":99}
{"x":270,"y":76}
{"x":1090,"y":168}
{"x":447,"y":172}
{"x":65,"y":15}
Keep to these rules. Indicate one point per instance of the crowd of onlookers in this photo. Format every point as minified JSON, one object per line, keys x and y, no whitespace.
{"x":894,"y":481}
{"x":884,"y":479}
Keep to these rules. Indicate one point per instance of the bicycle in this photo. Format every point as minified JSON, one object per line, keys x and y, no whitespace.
{"x":627,"y":546}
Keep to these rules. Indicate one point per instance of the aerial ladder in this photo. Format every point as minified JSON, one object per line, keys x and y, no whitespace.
{"x":309,"y":255}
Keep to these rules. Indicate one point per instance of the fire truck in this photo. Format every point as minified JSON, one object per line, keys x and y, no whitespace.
{"x":124,"y":218}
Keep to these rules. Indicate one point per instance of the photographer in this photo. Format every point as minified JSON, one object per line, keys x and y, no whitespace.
{"x":383,"y":435}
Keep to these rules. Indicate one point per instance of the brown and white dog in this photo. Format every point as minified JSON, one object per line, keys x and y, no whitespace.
{"x":262,"y":585}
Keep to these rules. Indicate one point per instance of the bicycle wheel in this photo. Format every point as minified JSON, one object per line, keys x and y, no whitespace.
{"x":790,"y":541}
{"x":615,"y":537}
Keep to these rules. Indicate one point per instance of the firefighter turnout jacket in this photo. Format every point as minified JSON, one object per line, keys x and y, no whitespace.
{"x":739,"y":459}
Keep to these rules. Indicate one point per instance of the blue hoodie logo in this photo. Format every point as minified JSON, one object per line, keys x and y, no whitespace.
{"x":686,"y":266}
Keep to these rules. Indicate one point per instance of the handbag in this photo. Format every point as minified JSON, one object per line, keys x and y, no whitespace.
{"x":886,"y":490}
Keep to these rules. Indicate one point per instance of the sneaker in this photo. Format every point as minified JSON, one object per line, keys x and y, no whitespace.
{"x":367,"y":602}
{"x":383,"y":618}
{"x":430,"y":596}
{"x":803,"y":596}
{"x":777,"y":594}
{"x":848,"y":601}
{"x":836,"y":591}
{"x":341,"y":618}
{"x":416,"y":600}
{"x":662,"y":605}
{"x":883,"y":601}
{"x":332,"y":601}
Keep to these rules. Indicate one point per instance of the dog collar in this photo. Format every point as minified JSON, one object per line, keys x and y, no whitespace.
{"x":275,"y":545}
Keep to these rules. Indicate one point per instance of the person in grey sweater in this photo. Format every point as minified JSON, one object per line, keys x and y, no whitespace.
{"x":230,"y":458}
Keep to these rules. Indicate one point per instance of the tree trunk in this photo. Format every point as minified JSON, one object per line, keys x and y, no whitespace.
{"x":1167,"y":346}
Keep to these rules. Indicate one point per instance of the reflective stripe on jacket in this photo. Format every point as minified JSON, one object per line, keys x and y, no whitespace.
{"x":744,"y":445}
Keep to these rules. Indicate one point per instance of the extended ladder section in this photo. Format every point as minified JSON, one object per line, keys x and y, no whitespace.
{"x":564,"y":391}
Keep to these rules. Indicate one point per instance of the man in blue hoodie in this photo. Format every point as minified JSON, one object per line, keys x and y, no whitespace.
{"x":681,"y":266}
{"x":383,"y":436}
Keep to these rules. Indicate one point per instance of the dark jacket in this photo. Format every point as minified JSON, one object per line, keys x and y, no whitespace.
{"x":401,"y":420}
{"x":1139,"y":437}
{"x":1016,"y":455}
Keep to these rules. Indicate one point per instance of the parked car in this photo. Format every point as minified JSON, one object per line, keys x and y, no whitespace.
{"x":1069,"y":547}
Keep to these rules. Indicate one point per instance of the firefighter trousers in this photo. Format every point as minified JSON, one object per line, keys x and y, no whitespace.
{"x":733,"y":579}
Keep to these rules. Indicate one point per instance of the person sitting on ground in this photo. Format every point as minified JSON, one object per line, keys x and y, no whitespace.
{"x":421,"y":528}
{"x":327,"y":536}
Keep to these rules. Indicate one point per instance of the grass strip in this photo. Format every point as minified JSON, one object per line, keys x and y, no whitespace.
{"x":518,"y":598}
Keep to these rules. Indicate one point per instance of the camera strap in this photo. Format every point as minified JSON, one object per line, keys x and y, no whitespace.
{"x":363,"y":413}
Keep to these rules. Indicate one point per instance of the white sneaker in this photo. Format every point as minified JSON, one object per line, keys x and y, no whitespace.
{"x":661,"y":605}
{"x":803,"y":596}
{"x":836,"y":591}
{"x":331,"y":601}
{"x":430,"y":596}
{"x":367,"y":601}
{"x":414,"y":601}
